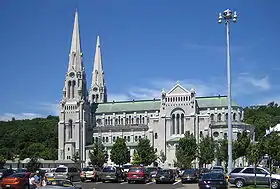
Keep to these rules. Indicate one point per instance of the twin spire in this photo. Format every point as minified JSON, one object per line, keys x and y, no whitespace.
{"x":75,"y":56}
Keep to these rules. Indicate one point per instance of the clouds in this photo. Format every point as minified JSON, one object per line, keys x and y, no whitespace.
{"x":10,"y":116}
{"x":40,"y":109}
{"x":242,"y":84}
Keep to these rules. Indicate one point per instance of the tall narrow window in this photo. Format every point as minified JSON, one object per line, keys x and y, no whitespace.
{"x":68,"y":89}
{"x":182,"y":124}
{"x":219,"y":117}
{"x":129,"y":119}
{"x":212,"y":117}
{"x":121,"y":121}
{"x":143,"y":120}
{"x":137,"y":120}
{"x":140,"y":118}
{"x":73,"y":88}
{"x":173,"y":125}
{"x":234,"y":117}
{"x":226,"y":117}
{"x":70,"y":129}
{"x":177,"y":123}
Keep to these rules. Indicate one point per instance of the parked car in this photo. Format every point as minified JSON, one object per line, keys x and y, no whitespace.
{"x":5,"y":173}
{"x":246,"y":176}
{"x":112,"y":173}
{"x":61,"y":183}
{"x":91,"y":173}
{"x":16,"y":181}
{"x":153,"y":171}
{"x":69,"y":173}
{"x":217,"y":169}
{"x":138,"y":174}
{"x":165,"y":176}
{"x":190,"y":175}
{"x":213,"y":180}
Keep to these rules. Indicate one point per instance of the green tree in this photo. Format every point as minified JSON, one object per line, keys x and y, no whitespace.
{"x":162,"y":156}
{"x":120,"y":154}
{"x":146,"y":152}
{"x":2,"y":161}
{"x":223,"y":148}
{"x":206,"y":150}
{"x":186,"y":151}
{"x":33,"y":165}
{"x":98,"y":155}
{"x":136,"y":160}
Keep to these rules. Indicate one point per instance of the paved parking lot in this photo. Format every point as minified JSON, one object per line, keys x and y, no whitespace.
{"x":125,"y":185}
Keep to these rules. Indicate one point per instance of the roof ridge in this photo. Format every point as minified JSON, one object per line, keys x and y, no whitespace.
{"x":214,"y":96}
{"x":127,"y":101}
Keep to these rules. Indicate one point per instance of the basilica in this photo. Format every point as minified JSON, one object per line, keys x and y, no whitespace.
{"x":86,"y":117}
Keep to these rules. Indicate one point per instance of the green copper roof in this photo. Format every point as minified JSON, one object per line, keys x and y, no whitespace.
{"x":129,"y":106}
{"x":214,"y":101}
{"x":152,"y":105}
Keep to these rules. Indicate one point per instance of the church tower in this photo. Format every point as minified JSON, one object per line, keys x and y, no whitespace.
{"x":98,"y":90}
{"x":74,"y":127}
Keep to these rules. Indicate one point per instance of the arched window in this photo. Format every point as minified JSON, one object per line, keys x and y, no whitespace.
{"x":226,"y":116}
{"x":234,"y":117}
{"x":219,"y":117}
{"x":116,"y":121}
{"x":106,"y":122}
{"x":132,"y":121}
{"x":70,"y":129}
{"x":129,"y":119}
{"x":182,"y":124}
{"x":143,"y":120}
{"x":126,"y":121}
{"x":137,"y":120}
{"x":212,"y":117}
{"x":173,"y":124}
{"x":121,"y":121}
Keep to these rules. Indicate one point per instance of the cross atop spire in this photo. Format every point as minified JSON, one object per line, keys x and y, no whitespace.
{"x":75,"y":56}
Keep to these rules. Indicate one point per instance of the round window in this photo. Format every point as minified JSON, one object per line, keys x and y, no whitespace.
{"x":216,"y":134}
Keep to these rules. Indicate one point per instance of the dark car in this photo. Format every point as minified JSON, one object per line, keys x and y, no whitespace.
{"x":190,"y":175}
{"x":213,"y":180}
{"x":6,"y":172}
{"x":165,"y":176}
{"x":138,"y":174}
{"x":153,"y":171}
{"x":111,"y":173}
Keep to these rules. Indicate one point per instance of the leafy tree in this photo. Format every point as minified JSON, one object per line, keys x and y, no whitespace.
{"x":33,"y":165}
{"x":146,"y":152}
{"x":162,"y":156}
{"x":120,"y":154}
{"x":98,"y":155}
{"x":136,"y":158}
{"x":223,"y":149}
{"x":206,"y":150}
{"x":186,"y":151}
{"x":2,"y":161}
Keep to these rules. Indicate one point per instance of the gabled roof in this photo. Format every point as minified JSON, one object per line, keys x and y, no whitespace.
{"x":178,"y":89}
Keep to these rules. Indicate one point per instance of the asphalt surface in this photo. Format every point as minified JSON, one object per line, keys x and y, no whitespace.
{"x":125,"y":185}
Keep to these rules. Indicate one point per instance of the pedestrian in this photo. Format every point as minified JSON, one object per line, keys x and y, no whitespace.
{"x":37,"y":177}
{"x":32,"y":183}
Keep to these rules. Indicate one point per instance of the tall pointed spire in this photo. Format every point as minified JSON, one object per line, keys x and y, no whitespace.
{"x":98,"y":90}
{"x":98,"y":74}
{"x":75,"y":56}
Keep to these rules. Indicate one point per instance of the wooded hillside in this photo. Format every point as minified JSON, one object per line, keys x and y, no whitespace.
{"x":28,"y":137}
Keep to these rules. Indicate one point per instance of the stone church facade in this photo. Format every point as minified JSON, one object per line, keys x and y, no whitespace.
{"x":86,"y":117}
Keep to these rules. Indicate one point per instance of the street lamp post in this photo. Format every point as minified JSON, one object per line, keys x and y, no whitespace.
{"x":227,"y":16}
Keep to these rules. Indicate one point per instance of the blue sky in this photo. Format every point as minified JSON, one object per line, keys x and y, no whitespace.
{"x":146,"y":45}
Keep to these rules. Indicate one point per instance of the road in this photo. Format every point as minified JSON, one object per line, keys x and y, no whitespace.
{"x":125,"y":185}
